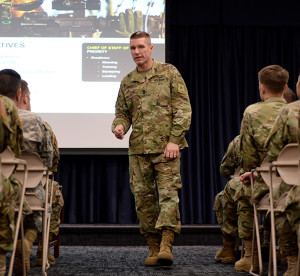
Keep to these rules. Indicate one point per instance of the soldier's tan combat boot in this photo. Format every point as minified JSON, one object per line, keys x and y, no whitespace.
{"x":153,"y":243}
{"x":292,"y":266}
{"x":244,"y":264}
{"x":165,"y":256}
{"x":226,"y":253}
{"x":39,"y":255}
{"x":2,"y":262}
{"x":29,"y":238}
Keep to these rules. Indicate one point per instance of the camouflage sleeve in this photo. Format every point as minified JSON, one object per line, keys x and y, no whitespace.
{"x":16,"y":139}
{"x":46,"y":149}
{"x":122,"y":114}
{"x":181,"y":107}
{"x":277,"y":138}
{"x":56,"y":155}
{"x":249,"y":156}
{"x":231,"y":160}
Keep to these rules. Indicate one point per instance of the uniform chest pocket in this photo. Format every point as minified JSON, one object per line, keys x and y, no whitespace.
{"x":133,"y":99}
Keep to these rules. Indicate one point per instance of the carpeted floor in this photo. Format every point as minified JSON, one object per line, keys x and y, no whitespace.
{"x":128,"y":260}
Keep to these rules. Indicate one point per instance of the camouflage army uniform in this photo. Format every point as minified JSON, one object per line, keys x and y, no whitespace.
{"x":257,"y":123}
{"x":57,"y":199}
{"x":225,"y":206}
{"x":158,"y":108}
{"x":5,"y":9}
{"x":10,"y":135}
{"x":292,"y":204}
{"x":285,"y":131}
{"x":36,"y":139}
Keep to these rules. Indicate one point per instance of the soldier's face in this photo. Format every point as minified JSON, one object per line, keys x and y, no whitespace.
{"x":141,"y":51}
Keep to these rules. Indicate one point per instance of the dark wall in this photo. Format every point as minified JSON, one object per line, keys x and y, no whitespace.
{"x":218,"y":46}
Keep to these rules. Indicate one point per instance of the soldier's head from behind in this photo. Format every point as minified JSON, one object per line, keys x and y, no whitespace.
{"x":273,"y":81}
{"x":289,"y":95}
{"x":141,"y":50}
{"x":10,"y":84}
{"x":24,"y":102}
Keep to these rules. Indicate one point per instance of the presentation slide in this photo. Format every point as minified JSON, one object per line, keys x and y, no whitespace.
{"x":74,"y":54}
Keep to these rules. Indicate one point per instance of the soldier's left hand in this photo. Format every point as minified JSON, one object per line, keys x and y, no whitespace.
{"x":171,"y":151}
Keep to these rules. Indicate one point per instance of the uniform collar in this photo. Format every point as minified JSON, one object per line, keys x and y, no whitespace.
{"x":135,"y":76}
{"x":275,"y":99}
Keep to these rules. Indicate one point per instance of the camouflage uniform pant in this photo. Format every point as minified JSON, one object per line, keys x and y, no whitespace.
{"x":287,"y":237}
{"x":57,"y":204}
{"x":234,"y":210}
{"x":156,"y":212}
{"x":7,"y":225}
{"x":226,"y":208}
{"x":292,"y":210}
{"x":10,"y":195}
{"x":35,"y":220}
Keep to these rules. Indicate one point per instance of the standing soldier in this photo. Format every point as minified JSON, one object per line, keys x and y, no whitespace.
{"x":154,"y":100}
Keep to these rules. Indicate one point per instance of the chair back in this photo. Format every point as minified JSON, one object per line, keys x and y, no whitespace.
{"x":35,"y":167}
{"x":264,"y":170}
{"x":288,"y":161}
{"x":7,"y":162}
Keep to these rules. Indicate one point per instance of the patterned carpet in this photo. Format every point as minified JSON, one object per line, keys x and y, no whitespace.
{"x":128,"y":260}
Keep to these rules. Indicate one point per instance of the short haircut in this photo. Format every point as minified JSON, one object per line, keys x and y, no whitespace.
{"x":289,"y":95}
{"x":10,"y":82}
{"x":24,"y":88}
{"x":140,"y":34}
{"x":274,"y":77}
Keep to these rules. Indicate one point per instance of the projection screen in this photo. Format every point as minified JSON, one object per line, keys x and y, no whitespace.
{"x":73,"y":54}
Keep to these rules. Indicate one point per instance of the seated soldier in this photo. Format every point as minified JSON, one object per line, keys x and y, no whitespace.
{"x":285,"y":131}
{"x":257,"y":122}
{"x":10,"y":135}
{"x":36,"y":139}
{"x":226,"y":209}
{"x":57,"y":200}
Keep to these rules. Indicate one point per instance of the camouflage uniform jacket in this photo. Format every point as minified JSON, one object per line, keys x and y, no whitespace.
{"x":256,"y":125}
{"x":56,"y":155}
{"x":36,"y":136}
{"x":284,"y":131}
{"x":232,"y":158}
{"x":157,"y":106}
{"x":11,"y":132}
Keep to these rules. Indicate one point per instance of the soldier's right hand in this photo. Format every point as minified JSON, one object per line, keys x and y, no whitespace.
{"x":246,"y":178}
{"x":119,"y":131}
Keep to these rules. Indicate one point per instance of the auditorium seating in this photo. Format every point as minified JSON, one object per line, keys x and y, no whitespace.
{"x":285,"y":168}
{"x":37,"y":173}
{"x":11,"y":166}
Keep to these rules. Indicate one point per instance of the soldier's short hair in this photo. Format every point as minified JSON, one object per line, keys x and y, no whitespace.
{"x":24,"y":88}
{"x":274,"y":77}
{"x":141,"y":34}
{"x":10,"y":82}
{"x":289,"y":95}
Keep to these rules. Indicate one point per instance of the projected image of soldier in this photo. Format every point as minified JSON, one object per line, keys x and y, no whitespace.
{"x":82,"y":18}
